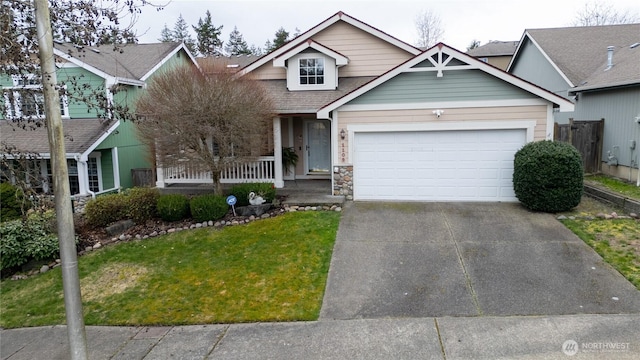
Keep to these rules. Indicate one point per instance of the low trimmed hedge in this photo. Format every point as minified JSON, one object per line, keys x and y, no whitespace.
{"x":106,"y":209}
{"x":173,"y":207}
{"x":208,"y":207}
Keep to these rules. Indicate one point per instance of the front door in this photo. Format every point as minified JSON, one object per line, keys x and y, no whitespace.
{"x":318,"y":146}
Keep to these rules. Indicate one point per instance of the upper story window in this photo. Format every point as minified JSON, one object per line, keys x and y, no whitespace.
{"x":311,"y":71}
{"x":26,"y":100}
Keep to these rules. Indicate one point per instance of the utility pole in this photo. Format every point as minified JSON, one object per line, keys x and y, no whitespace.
{"x":61,"y":190}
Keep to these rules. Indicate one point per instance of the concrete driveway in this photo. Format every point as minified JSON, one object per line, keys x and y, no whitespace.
{"x":465,"y":259}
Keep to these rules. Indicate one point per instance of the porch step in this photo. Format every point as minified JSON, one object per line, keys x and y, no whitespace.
{"x":301,"y":199}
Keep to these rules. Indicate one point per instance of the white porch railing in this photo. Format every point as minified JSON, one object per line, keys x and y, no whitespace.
{"x":260,"y":170}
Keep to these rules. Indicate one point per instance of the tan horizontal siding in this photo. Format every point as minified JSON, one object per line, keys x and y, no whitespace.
{"x":368,"y":55}
{"x":269,"y":72}
{"x":537,"y":113}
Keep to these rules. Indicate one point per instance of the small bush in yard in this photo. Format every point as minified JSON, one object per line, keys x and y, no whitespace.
{"x":241,"y":192}
{"x":12,"y":202}
{"x":106,"y":209}
{"x":142,"y":203}
{"x":33,"y":238}
{"x":173,"y":207}
{"x":548,"y":176}
{"x":208,"y":207}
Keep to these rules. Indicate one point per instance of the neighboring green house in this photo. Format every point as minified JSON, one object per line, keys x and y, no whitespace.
{"x":597,"y":68}
{"x":100,"y":151}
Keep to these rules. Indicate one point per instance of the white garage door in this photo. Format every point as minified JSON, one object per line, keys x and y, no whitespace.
{"x":436,"y":165}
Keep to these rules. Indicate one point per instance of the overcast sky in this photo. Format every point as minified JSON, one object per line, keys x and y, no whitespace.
{"x":462,"y":20}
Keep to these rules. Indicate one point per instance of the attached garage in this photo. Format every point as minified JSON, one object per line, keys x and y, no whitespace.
{"x":467,"y":165}
{"x":441,"y":127}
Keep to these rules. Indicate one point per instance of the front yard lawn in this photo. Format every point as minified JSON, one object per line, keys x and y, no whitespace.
{"x":268,"y":270}
{"x":616,"y":240}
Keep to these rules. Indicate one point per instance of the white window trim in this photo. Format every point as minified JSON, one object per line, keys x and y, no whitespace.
{"x":330,"y":72}
{"x":98,"y":157}
{"x":14,"y":109}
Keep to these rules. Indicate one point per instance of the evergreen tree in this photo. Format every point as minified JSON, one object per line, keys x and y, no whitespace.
{"x":281,"y":38}
{"x":255,"y":50}
{"x":236,"y":44}
{"x":166,"y":35}
{"x":181,"y":33}
{"x":208,"y":36}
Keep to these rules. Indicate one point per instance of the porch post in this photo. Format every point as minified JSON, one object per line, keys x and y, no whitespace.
{"x":116,"y":168}
{"x":83,"y":176}
{"x":277,"y":153}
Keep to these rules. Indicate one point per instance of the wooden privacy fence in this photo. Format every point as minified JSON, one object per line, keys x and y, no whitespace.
{"x":586,"y":136}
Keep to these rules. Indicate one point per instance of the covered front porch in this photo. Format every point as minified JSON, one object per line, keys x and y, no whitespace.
{"x":305,"y":140}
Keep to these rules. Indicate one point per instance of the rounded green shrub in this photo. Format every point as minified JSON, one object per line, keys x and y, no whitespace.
{"x":241,"y":192}
{"x":106,"y":209}
{"x":548,"y":176}
{"x":24,"y":240}
{"x":12,"y":202}
{"x":173,"y":207}
{"x":142,"y":203}
{"x":208,"y":207}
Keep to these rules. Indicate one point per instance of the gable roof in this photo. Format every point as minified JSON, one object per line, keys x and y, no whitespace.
{"x":339,"y":16}
{"x":495,"y":48}
{"x":133,"y":63}
{"x":442,"y":58}
{"x":576,"y":52}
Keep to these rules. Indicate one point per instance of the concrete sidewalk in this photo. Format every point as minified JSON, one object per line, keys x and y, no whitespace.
{"x":535,"y":337}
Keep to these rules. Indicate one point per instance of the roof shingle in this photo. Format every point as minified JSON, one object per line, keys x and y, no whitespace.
{"x":132,"y":61}
{"x":579,"y":51}
{"x":79,"y":135}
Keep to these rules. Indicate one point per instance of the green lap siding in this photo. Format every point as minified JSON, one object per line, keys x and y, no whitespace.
{"x":459,"y":85}
{"x":106,"y":166}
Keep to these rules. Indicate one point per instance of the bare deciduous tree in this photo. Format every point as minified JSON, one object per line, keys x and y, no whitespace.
{"x":429,"y":27}
{"x":206,"y":117}
{"x":598,"y":13}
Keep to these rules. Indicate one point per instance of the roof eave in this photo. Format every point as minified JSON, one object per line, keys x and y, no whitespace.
{"x":604,"y":86}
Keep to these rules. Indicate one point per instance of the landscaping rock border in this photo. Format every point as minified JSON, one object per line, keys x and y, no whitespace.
{"x":133,"y":233}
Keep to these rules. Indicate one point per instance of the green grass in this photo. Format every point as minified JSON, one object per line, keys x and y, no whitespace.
{"x":616,"y":185}
{"x":612,"y":239}
{"x":268,"y":270}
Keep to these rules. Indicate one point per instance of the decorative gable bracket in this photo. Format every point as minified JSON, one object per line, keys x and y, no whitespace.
{"x":439,"y":61}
